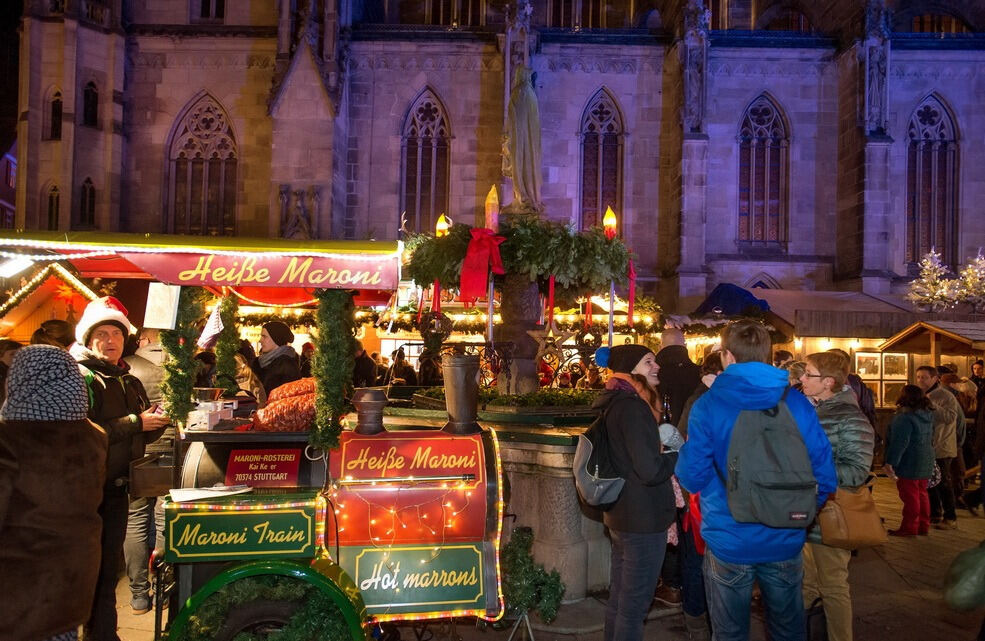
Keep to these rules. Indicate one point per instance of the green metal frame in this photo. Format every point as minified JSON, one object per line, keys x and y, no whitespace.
{"x":324,"y":574}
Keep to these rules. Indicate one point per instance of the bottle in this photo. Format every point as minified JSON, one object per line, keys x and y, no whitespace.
{"x":668,"y":416}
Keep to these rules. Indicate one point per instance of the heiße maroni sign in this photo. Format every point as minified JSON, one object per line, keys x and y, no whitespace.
{"x":336,"y":272}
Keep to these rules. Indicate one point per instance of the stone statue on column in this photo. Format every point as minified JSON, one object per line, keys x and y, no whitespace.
{"x":297,"y":222}
{"x":874,"y":68}
{"x":694,"y":61}
{"x":522,"y":153}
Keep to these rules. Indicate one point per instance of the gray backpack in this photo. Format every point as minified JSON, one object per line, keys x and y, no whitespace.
{"x":770,"y":476}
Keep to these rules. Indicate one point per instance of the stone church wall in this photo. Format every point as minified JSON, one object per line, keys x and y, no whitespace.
{"x":167,"y":76}
{"x":957,"y":78}
{"x":803,"y":84}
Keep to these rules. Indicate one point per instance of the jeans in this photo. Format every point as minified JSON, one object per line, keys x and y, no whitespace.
{"x":693,"y":586}
{"x":826,"y":576}
{"x":634,"y":570}
{"x":729,"y":588}
{"x":146,"y":515}
{"x":102,"y":620}
{"x":916,"y":506}
{"x":942,"y":495}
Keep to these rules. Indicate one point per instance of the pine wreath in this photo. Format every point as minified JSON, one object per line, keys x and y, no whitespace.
{"x":318,"y":617}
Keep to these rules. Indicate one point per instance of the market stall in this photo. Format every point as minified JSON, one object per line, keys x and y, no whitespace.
{"x":337,"y":529}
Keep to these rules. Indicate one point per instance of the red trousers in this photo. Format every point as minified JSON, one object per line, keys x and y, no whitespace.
{"x":916,"y":505}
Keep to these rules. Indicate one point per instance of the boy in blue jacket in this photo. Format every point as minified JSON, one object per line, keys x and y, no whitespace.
{"x":740,"y":553}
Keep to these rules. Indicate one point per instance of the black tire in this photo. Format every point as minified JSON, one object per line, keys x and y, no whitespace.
{"x":257,"y":617}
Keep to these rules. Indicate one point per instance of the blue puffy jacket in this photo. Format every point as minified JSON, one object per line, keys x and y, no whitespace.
{"x":746,"y":386}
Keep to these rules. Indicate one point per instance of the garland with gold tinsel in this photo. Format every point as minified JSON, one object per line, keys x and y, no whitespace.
{"x":332,"y":364}
{"x":227,"y":345}
{"x":179,"y":348}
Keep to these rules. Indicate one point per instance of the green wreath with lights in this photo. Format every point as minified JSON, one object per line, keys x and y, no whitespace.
{"x":332,"y":364}
{"x":179,"y":347}
{"x":582,"y":263}
{"x":317,"y":617}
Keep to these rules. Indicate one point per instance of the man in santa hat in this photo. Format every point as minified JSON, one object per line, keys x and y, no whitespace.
{"x":118,"y":403}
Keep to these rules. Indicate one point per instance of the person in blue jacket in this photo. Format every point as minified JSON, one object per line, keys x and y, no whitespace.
{"x":738,"y":554}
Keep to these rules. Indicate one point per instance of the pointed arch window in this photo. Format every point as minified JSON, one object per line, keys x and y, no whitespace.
{"x":931,"y":183}
{"x":424,"y":161}
{"x":601,"y":159}
{"x":90,"y":105}
{"x":202,"y":172}
{"x":52,"y":203}
{"x":763,"y":173}
{"x":53,"y":127}
{"x":87,"y":205}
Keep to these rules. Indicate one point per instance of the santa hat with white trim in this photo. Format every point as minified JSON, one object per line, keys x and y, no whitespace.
{"x":102,"y":311}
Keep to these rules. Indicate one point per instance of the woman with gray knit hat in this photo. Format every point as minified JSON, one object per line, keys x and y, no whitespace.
{"x":645,"y":509}
{"x":277,"y":363}
{"x":52,"y":467}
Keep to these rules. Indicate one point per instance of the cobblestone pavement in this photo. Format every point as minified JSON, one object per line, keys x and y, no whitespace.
{"x":896,"y":592}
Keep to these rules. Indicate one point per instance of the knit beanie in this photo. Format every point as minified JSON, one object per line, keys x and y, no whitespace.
{"x":279,"y":332}
{"x":102,"y":311}
{"x":44,"y":384}
{"x":621,"y":358}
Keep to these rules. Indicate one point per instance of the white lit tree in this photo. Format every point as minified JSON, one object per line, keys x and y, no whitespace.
{"x":932,"y":289}
{"x":971,"y":283}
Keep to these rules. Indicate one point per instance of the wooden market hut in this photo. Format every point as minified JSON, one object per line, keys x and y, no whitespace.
{"x":940,"y":340}
{"x":52,"y":292}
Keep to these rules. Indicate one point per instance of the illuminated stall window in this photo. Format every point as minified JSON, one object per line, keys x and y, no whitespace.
{"x":931,"y":183}
{"x":424,"y":163}
{"x":601,"y":158}
{"x":202,"y":172}
{"x":763,"y":174}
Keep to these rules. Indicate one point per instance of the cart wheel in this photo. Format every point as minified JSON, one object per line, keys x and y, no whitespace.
{"x":257,"y":618}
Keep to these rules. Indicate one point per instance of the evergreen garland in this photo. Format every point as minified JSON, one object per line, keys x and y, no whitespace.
{"x":527,"y":586}
{"x":582,"y":262}
{"x":332,"y":364}
{"x":179,"y":347}
{"x":227,"y":345}
{"x":318,"y":617}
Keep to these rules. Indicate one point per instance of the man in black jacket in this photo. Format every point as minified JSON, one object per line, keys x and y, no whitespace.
{"x":679,"y":376}
{"x":364,"y":369}
{"x":118,"y":403}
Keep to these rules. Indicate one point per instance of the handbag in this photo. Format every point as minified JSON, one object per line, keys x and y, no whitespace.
{"x":935,"y":477}
{"x":850,"y":520}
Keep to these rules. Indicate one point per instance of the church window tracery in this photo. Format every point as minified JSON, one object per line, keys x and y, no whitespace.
{"x":90,"y":105}
{"x":202,"y":172}
{"x":424,"y":163}
{"x":53,"y":128}
{"x":931,"y":183}
{"x":601,"y":159}
{"x":52,"y":203}
{"x":87,"y":205}
{"x":763,"y":175}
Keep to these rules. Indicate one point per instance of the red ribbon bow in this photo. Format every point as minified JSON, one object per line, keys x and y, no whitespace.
{"x":481,"y":257}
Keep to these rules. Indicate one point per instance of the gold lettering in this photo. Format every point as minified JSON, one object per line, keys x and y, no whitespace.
{"x":295,"y":272}
{"x":201,"y":271}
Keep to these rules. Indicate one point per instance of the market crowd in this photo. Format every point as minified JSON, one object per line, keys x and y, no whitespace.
{"x":85,"y":401}
{"x":687,"y":530}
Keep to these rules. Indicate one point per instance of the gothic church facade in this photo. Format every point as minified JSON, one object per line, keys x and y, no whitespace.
{"x":774,"y":143}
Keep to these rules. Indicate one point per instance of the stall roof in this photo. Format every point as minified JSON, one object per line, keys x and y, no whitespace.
{"x":219,"y":261}
{"x":952,"y":337}
{"x":835,"y":314}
